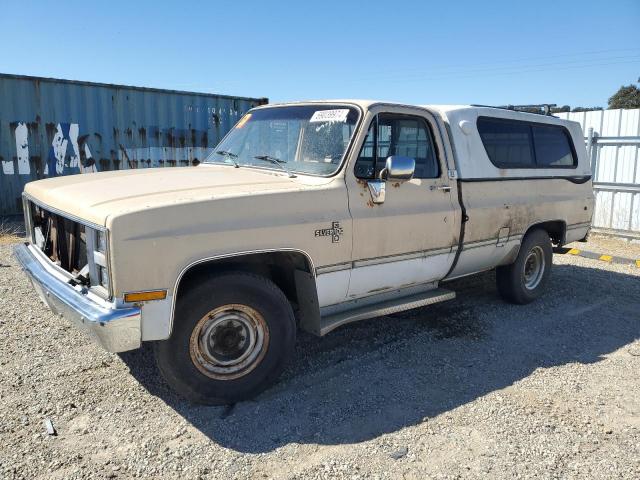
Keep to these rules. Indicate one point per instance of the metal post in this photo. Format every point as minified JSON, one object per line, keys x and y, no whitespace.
{"x":594,"y":154}
{"x":589,"y":141}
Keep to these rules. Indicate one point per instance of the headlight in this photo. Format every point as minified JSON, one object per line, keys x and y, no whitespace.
{"x":104,"y":277}
{"x":98,"y":267}
{"x":101,"y":241}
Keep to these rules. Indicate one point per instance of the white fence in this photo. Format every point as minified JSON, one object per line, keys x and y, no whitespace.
{"x":613,"y":144}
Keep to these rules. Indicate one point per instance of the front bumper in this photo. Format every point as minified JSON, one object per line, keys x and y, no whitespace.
{"x":115,"y":329}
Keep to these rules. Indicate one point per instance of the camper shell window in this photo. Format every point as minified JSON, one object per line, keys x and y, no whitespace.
{"x":521,"y":144}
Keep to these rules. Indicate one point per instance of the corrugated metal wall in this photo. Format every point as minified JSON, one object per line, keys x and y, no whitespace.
{"x":615,"y":162}
{"x":58,"y":127}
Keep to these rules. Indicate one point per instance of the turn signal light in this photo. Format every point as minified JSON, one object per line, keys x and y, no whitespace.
{"x":145,"y":296}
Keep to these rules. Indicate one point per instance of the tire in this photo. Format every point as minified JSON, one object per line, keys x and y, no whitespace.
{"x":232,"y":336}
{"x":521,"y":282}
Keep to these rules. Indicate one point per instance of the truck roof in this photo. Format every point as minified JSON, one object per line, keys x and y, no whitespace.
{"x":445,"y":111}
{"x":474,"y":111}
{"x":471,"y":158}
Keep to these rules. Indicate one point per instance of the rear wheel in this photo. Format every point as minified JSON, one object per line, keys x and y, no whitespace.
{"x":526,"y":279}
{"x":231,"y":338}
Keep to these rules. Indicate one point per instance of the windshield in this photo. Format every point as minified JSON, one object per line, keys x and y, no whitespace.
{"x":307,"y":139}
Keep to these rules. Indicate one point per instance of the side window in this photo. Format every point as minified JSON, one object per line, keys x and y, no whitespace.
{"x":508,"y":144}
{"x":402,"y":135}
{"x":553,"y":147}
{"x":519,"y":144}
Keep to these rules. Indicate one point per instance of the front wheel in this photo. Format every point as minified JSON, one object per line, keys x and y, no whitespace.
{"x":232,"y":336}
{"x":526,"y":279}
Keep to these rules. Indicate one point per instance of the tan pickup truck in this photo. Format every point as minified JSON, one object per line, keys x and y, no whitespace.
{"x":307,"y":215}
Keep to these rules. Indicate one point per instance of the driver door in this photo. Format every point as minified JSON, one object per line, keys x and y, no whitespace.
{"x":410,"y":238}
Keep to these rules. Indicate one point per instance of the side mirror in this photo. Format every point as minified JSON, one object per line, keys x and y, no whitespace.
{"x":398,"y":169}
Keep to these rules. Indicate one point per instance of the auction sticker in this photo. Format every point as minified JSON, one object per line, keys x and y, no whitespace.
{"x":338,"y":115}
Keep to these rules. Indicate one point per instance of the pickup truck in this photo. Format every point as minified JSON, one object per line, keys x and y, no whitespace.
{"x":307,"y":215}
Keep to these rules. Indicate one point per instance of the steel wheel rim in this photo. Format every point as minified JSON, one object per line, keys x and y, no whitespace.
{"x":229,"y":342}
{"x":533,"y":269}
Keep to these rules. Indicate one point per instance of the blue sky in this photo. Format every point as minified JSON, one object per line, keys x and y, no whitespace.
{"x":487,"y":52}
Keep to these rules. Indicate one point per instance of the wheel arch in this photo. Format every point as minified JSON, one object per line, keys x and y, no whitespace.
{"x":556,"y":229}
{"x":292,"y":270}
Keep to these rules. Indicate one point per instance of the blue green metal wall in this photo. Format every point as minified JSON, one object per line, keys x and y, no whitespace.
{"x":52,"y":127}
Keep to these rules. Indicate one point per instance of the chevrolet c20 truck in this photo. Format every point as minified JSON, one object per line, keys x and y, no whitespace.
{"x":306,"y":215}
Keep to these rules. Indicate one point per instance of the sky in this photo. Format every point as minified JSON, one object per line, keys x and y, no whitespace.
{"x":481,"y":52}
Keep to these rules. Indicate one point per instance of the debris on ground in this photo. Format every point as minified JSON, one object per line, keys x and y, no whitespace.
{"x":48,"y":426}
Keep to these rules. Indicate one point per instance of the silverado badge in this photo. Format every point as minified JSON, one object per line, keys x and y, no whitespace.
{"x":334,"y":232}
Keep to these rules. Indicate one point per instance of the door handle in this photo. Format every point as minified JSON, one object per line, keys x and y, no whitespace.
{"x":444,"y":188}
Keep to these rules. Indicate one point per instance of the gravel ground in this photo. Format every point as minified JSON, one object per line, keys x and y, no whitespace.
{"x":472,"y":388}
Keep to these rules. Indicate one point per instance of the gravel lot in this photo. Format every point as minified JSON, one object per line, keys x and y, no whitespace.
{"x":472,"y":388}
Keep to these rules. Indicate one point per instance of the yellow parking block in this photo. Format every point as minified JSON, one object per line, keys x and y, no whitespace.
{"x":606,"y":258}
{"x":638,"y":263}
{"x":574,"y":251}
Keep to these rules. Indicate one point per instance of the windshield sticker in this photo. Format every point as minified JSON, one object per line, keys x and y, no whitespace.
{"x":338,"y":115}
{"x":243,"y":120}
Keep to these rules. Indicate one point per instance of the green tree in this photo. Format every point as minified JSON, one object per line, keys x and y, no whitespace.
{"x":626,"y":97}
{"x":586,"y":109}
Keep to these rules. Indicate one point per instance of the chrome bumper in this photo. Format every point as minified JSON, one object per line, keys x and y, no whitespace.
{"x":115,"y":329}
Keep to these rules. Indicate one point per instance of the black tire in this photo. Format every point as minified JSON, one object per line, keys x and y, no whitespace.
{"x":513,"y":285}
{"x":226,"y":293}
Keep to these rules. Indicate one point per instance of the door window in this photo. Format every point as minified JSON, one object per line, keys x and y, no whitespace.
{"x":401,"y":135}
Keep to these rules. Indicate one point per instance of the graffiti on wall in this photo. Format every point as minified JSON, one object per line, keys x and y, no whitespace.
{"x":68,"y":151}
{"x":22,"y":149}
{"x":64,"y":152}
{"x":66,"y":137}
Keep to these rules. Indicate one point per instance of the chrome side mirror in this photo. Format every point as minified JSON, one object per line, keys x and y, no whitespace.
{"x":398,"y":169}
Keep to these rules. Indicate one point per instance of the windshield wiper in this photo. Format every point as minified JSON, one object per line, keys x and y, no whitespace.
{"x":276,"y":161}
{"x":231,"y":156}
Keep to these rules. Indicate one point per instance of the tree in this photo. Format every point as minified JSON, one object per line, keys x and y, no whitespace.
{"x":586,"y":109}
{"x":626,"y":97}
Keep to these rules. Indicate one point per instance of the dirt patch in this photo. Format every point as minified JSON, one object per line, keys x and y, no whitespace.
{"x":11,"y":231}
{"x":608,"y":245}
{"x":9,"y":239}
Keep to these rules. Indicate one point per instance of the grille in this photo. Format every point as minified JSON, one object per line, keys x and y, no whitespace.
{"x":61,"y":239}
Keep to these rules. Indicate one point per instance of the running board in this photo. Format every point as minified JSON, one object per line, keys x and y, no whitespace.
{"x":387,"y":307}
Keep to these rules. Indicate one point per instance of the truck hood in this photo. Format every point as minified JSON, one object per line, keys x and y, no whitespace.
{"x":96,"y":196}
